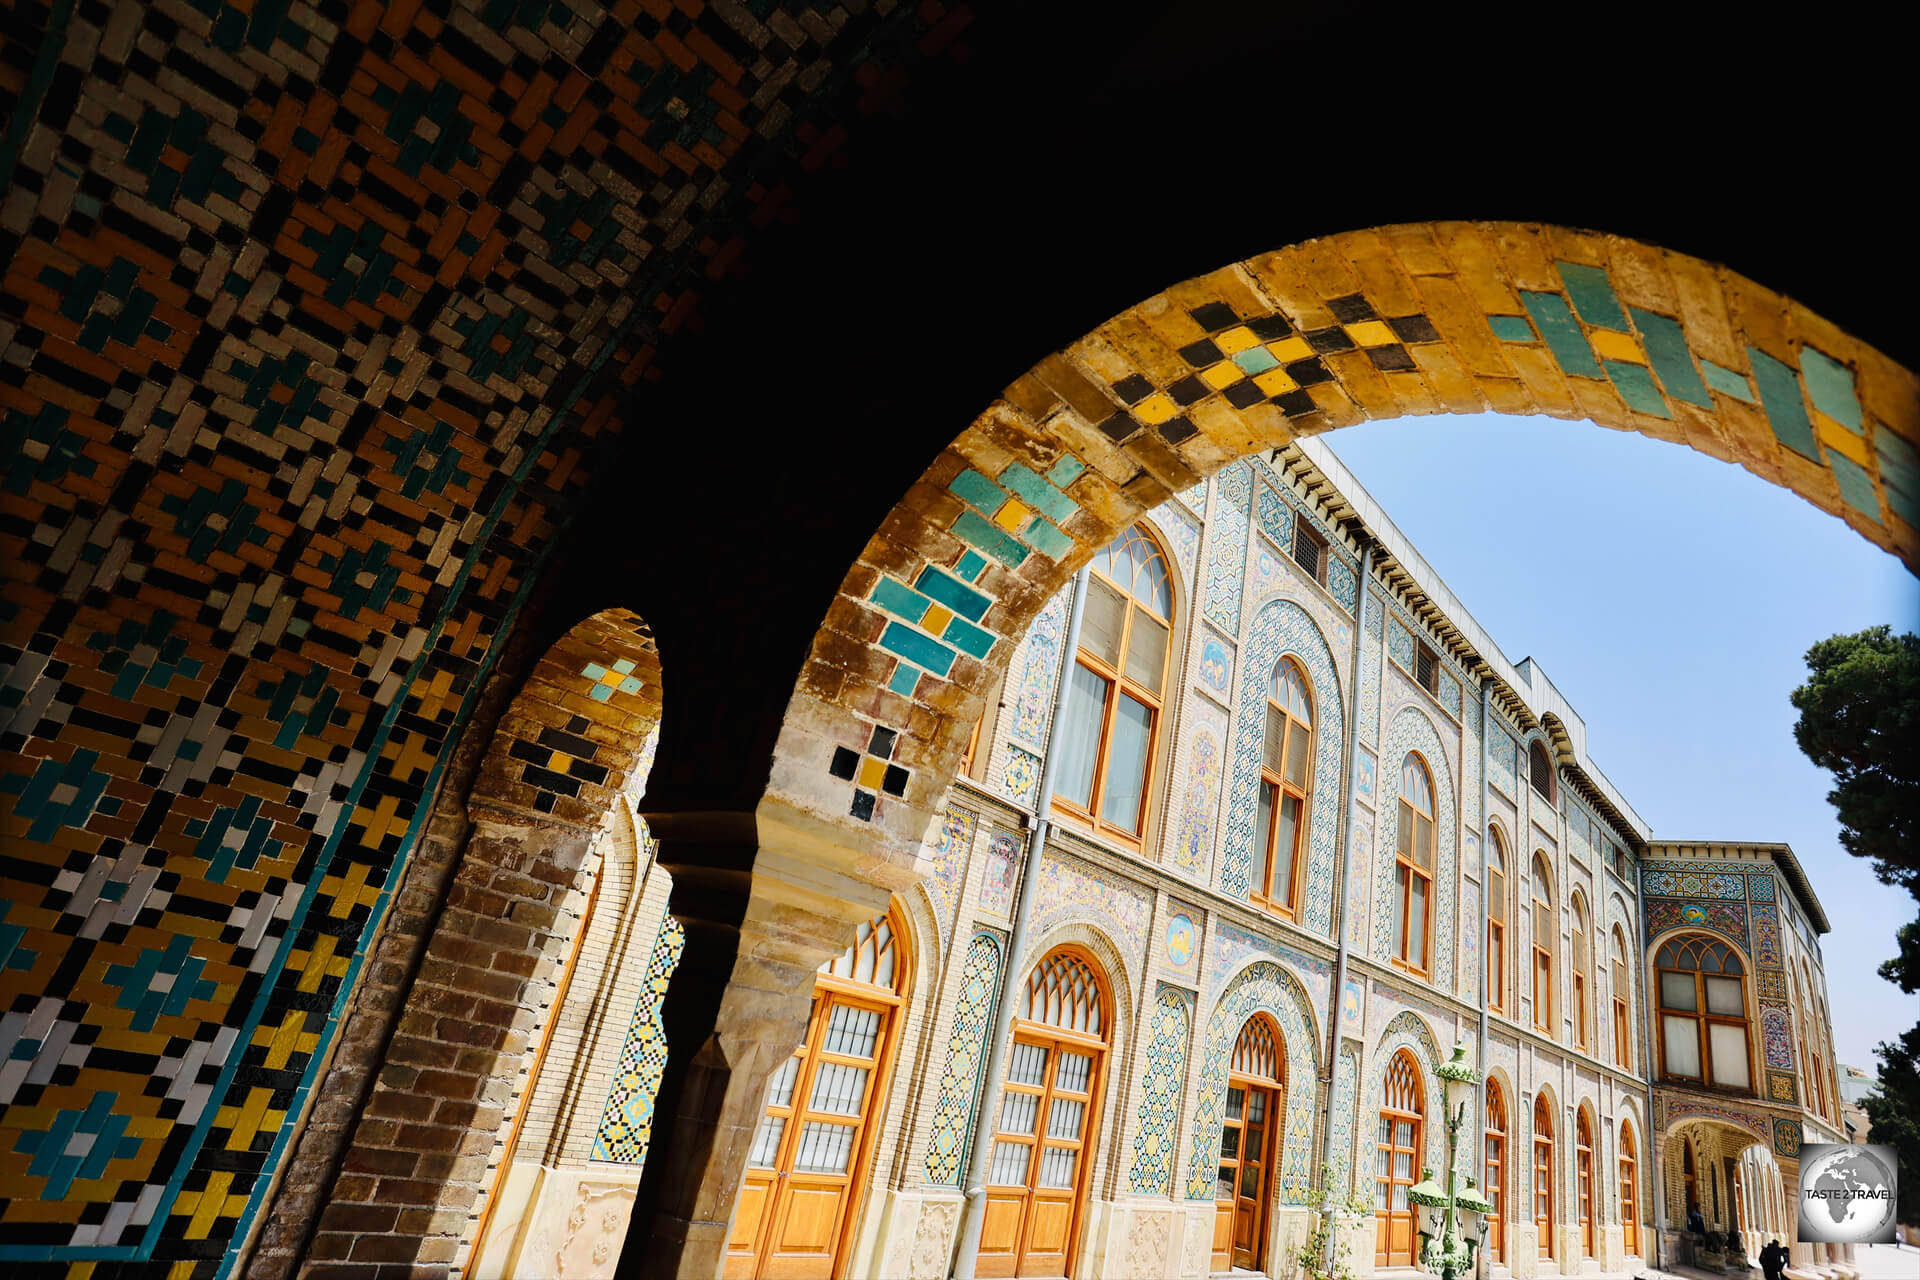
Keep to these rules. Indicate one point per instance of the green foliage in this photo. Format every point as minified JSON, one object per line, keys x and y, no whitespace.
{"x":1894,"y":1110}
{"x":1903,"y":971}
{"x":1860,"y":718}
{"x":1327,"y":1254}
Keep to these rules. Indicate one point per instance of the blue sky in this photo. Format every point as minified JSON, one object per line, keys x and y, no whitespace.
{"x":1672,"y":598}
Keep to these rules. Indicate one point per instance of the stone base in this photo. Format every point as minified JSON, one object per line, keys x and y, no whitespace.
{"x":556,"y":1222}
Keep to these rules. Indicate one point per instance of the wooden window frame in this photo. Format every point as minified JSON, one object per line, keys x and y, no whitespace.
{"x":1262,"y":895}
{"x":1543,"y":1191}
{"x":1622,"y":1003}
{"x":1541,"y":779}
{"x":1391,"y":1115}
{"x":1629,"y":1190}
{"x":1247,"y":1076}
{"x":1406,"y":870}
{"x":1493,"y":1170}
{"x":1426,"y":667}
{"x":1305,"y":534}
{"x":1118,"y":683}
{"x":1541,"y":903}
{"x":1700,"y":1016}
{"x":1497,"y":974}
{"x":1583,"y":1187}
{"x":1577,"y":963}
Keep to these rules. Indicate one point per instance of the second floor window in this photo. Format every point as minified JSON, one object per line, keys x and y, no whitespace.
{"x":1112,"y":716}
{"x":1286,"y":772}
{"x":1703,"y":1013}
{"x":1413,"y":864}
{"x":1622,"y":1010}
{"x":1577,"y":963}
{"x":1545,"y":932}
{"x":1496,"y":920}
{"x":1540,"y":770}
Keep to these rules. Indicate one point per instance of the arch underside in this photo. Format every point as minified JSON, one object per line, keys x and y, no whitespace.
{"x":1414,"y":319}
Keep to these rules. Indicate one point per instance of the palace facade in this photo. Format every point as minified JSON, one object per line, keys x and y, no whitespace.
{"x":1306,"y":829}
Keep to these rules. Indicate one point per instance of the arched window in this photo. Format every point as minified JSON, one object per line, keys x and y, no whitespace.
{"x":1629,"y":1190}
{"x":1496,"y":1169}
{"x":808,"y":1162}
{"x":1543,"y":1173}
{"x":1413,"y":865}
{"x":1545,"y":933}
{"x":1703,"y":1013}
{"x":1540,"y":769}
{"x":1622,"y":1002}
{"x":1251,"y":1138}
{"x":1396,"y":1161}
{"x":1497,"y":891}
{"x":1286,"y":774}
{"x":1583,"y":1178}
{"x":1037,"y":1172}
{"x":1577,"y":963}
{"x":1112,"y":715}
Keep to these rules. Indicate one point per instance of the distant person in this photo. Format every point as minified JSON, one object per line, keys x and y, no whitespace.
{"x":1773,"y":1260}
{"x":1696,"y":1223}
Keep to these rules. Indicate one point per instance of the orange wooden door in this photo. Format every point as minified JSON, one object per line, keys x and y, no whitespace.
{"x":1397,"y":1147}
{"x":1037,"y":1168}
{"x":1496,"y":1171}
{"x":1249,"y":1137}
{"x":805,"y":1168}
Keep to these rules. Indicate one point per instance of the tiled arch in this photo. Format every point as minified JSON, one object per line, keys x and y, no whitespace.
{"x":1408,"y":1030}
{"x":1381,"y":323}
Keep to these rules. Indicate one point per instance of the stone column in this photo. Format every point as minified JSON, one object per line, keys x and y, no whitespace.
{"x":762,"y":910}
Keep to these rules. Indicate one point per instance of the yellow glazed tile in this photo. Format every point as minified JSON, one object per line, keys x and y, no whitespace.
{"x":1156,"y":409}
{"x":1841,"y":440}
{"x":1224,"y":374}
{"x":1276,"y":382}
{"x":1294,"y":348}
{"x":872,"y":771}
{"x":1609,"y":345}
{"x":558,"y":761}
{"x":937,"y":619}
{"x":1236,"y":340}
{"x":1371,"y":333}
{"x":1011,"y":516}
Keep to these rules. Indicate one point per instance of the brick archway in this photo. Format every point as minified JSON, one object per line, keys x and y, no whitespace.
{"x":436,"y":1098}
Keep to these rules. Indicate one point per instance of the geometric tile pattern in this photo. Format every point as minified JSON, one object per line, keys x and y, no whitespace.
{"x":1407,"y":1031}
{"x":949,"y":858}
{"x":1346,"y":1080}
{"x":310,"y":318}
{"x":1070,"y":889}
{"x":1269,"y":988}
{"x":1184,"y":535}
{"x":966,"y":1050}
{"x":1283,"y":627}
{"x":626,"y":1124}
{"x":1200,"y":795}
{"x":1411,"y":731}
{"x":1160,"y":1080}
{"x":1227,"y":548}
{"x":1786,"y":1137}
{"x":872,"y":770}
{"x":1035,"y":663}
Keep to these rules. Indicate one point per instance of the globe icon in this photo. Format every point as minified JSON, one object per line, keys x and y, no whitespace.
{"x":1846,"y":1195}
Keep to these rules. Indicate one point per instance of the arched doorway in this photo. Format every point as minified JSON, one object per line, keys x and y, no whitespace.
{"x":1583,"y":1185}
{"x":1543,"y":1196}
{"x":1495,"y":1170}
{"x":807,"y":1166}
{"x":1399,"y":1143}
{"x":1629,"y":1191}
{"x":1049,"y":1102}
{"x":1250,"y":1138}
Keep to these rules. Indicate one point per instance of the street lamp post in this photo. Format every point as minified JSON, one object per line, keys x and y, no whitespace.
{"x":1446,"y":1248}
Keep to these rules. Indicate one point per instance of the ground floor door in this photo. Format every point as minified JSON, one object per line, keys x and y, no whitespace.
{"x":1034,"y":1175}
{"x":1246,"y":1160}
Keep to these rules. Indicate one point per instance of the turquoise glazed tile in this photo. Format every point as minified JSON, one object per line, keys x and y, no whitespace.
{"x":1256,"y":360}
{"x":1830,"y":383}
{"x":1562,"y":333}
{"x":902,"y":602}
{"x":978,"y":490}
{"x":1066,"y":471}
{"x":1899,"y":474}
{"x":1047,"y":540}
{"x":1511,"y":328}
{"x":1636,"y":388}
{"x":1856,"y":486}
{"x":953,"y":593}
{"x":967,"y":638}
{"x":917,"y":648}
{"x":977,"y":532}
{"x":969,"y":566}
{"x":904,"y":679}
{"x":1038,"y":494}
{"x":1780,"y":397}
{"x":1592,"y":293}
{"x":1666,"y":344}
{"x":1726,"y":381}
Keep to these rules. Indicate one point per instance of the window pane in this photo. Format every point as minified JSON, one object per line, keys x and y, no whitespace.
{"x":1682,"y":1039}
{"x":1263,"y":824}
{"x":1256,"y":1107}
{"x":1127,"y":764}
{"x":851,"y":1031}
{"x":1400,"y":907}
{"x":1423,"y":841}
{"x":1223,"y":1183}
{"x":1275,"y":739}
{"x":824,"y":1148}
{"x":1236,"y":1103}
{"x":1146,"y":651}
{"x":780,"y":1088}
{"x":1009,"y":1167}
{"x":1056,"y":1166}
{"x":1283,"y":849}
{"x":1497,"y":896}
{"x":1406,"y":829}
{"x":1250,"y":1181}
{"x":1018,"y":1111}
{"x":1676,"y":991}
{"x":1100,"y":627}
{"x":1297,"y":756}
{"x":1063,"y":1118}
{"x":1075,"y":1070}
{"x":1728,"y":1045}
{"x":1027,"y":1064}
{"x":838,"y":1089}
{"x":1080,"y":734}
{"x":1417,"y":923}
{"x":1723,"y":996}
{"x":766,"y":1142}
